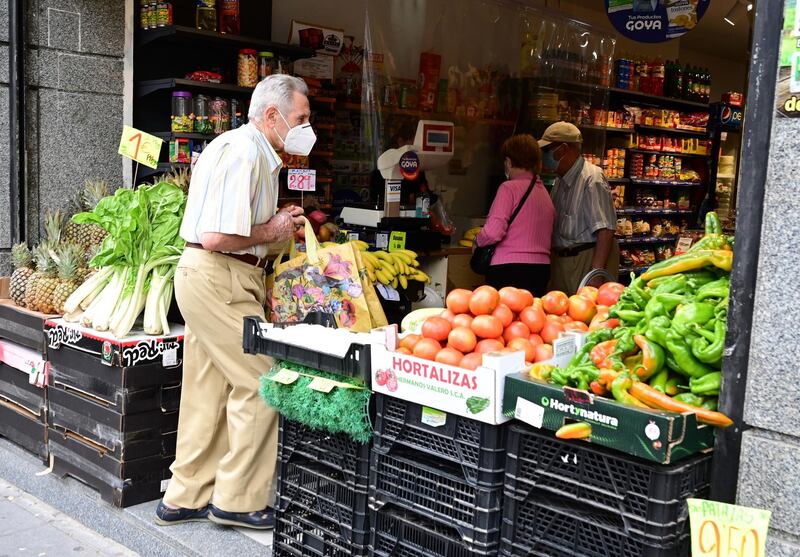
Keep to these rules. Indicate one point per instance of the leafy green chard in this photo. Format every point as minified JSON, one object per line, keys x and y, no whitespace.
{"x":136,"y":260}
{"x":476,"y":404}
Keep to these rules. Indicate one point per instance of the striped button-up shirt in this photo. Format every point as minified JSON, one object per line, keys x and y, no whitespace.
{"x":583,"y":205}
{"x":234,"y":187}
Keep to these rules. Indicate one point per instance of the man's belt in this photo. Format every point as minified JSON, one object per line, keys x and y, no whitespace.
{"x":574,"y":250}
{"x":250,"y":259}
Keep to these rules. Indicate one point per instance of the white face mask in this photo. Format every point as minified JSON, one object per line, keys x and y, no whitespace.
{"x":299,"y":140}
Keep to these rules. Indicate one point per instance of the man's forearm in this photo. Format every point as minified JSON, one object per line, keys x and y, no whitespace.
{"x":279,"y":228}
{"x":605,"y":239}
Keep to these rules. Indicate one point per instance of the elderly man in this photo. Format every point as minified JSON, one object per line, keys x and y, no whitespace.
{"x":583,"y":238}
{"x":227,"y":436}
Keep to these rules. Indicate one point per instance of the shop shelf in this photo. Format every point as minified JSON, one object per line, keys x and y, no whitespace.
{"x":624,"y":240}
{"x":300,"y":442}
{"x":355,"y":363}
{"x":167,"y":136}
{"x":667,"y":183}
{"x":652,"y":211}
{"x":478,"y":449}
{"x":408,"y":480}
{"x":648,"y":498}
{"x":625,"y":271}
{"x":618,"y":180}
{"x":399,"y":533}
{"x":148,"y":86}
{"x":653,"y":152}
{"x":657,"y":100}
{"x":607,"y":129}
{"x":428,"y":115}
{"x":679,"y":131}
{"x":179,"y":34}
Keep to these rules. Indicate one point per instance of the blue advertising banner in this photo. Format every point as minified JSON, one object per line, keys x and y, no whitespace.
{"x":655,"y":21}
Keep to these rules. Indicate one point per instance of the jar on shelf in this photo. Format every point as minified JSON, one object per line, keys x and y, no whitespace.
{"x":267,"y":65}
{"x":202,"y":123}
{"x":164,"y":14}
{"x":206,"y":15}
{"x":182,"y":116}
{"x":247,"y":68}
{"x":236,"y":114}
{"x":285,"y":65}
{"x":220,"y":115}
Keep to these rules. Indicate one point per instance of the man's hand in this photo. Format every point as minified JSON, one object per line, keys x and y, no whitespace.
{"x":298,"y":218}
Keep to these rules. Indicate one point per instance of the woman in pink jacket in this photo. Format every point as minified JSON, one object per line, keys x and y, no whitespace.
{"x":522,"y":256}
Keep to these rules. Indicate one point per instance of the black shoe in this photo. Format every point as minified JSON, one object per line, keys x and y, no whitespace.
{"x":259,"y":520}
{"x":166,"y":516}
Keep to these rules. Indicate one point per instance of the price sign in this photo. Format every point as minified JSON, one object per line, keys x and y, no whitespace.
{"x":393,"y":191}
{"x":381,"y":240}
{"x":140,"y":146}
{"x":302,"y":179}
{"x":723,"y":530}
{"x":397,"y":241}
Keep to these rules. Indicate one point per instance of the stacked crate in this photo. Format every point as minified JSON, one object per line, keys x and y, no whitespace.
{"x":565,"y":498}
{"x":23,"y":408}
{"x":113,"y":409}
{"x":436,"y":482}
{"x":321,"y":505}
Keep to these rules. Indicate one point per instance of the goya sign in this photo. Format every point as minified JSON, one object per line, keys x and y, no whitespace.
{"x":655,"y":21}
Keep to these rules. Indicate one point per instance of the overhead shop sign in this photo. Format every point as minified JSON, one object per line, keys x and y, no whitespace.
{"x":655,"y":21}
{"x":787,"y":89}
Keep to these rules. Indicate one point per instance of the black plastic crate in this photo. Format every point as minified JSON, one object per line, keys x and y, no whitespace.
{"x":650,"y":497}
{"x":437,"y":489}
{"x":399,"y":533}
{"x":324,"y":492}
{"x":301,"y":532}
{"x":546,"y":526}
{"x":355,"y":363}
{"x":478,"y":448}
{"x":296,"y":440}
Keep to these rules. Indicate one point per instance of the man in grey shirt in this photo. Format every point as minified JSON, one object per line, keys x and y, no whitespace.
{"x":583,"y":238}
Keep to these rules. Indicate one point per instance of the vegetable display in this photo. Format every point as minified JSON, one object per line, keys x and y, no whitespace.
{"x":667,"y":351}
{"x":135,"y":263}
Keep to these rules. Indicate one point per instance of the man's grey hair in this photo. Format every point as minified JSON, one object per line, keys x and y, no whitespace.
{"x":275,"y":90}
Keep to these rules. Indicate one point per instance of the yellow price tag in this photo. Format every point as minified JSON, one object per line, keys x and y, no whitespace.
{"x":723,"y":530}
{"x":140,"y":146}
{"x":285,"y":377}
{"x":322,"y":384}
{"x":397,"y":241}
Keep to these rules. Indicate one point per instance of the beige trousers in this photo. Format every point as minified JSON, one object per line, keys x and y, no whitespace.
{"x":566,"y":273}
{"x":227,"y":435}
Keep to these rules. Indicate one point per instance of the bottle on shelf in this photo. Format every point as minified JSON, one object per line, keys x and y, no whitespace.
{"x":206,"y":15}
{"x":677,"y":80}
{"x":688,"y":83}
{"x":657,"y":79}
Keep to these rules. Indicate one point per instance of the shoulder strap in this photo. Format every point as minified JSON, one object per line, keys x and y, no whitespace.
{"x":523,"y":200}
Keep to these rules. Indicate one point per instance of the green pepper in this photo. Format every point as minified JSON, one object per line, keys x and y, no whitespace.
{"x":672,"y":387}
{"x":722,"y":259}
{"x":717,"y":289}
{"x":707,"y":385}
{"x":653,"y":357}
{"x":710,"y":403}
{"x":682,"y":354}
{"x":708,"y":347}
{"x":696,"y":279}
{"x":625,"y":343}
{"x":695,"y":312}
{"x":619,"y":389}
{"x":689,"y":398}
{"x":713,"y":225}
{"x":662,"y":304}
{"x":674,"y":284}
{"x":557,"y":376}
{"x":711,"y":242}
{"x":659,"y":381}
{"x":628,"y":316}
{"x":657,"y":329}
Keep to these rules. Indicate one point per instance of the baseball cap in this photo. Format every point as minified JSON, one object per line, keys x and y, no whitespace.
{"x":560,"y":132}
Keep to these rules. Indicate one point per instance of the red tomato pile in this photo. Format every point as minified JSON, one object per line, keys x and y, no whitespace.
{"x":508,"y":320}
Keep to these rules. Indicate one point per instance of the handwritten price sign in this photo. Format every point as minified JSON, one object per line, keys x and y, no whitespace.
{"x":302,"y":179}
{"x":140,"y":146}
{"x":397,"y":240}
{"x":723,"y":530}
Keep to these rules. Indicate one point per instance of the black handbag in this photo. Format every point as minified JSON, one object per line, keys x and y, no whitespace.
{"x":482,"y":256}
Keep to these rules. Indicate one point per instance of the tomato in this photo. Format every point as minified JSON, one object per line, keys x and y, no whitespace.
{"x":462,"y":339}
{"x":601,"y":321}
{"x":488,"y":345}
{"x":555,"y":302}
{"x":529,"y":299}
{"x":533,"y":317}
{"x":576,"y":326}
{"x":517,"y":329}
{"x":564,"y":319}
{"x":436,"y":328}
{"x":487,"y":326}
{"x":471,"y":361}
{"x":551,"y":331}
{"x":608,"y":293}
{"x":448,"y":315}
{"x":484,"y":301}
{"x":409,"y":341}
{"x":514,"y":298}
{"x":427,"y":348}
{"x":462,"y":320}
{"x":403,"y":350}
{"x":543,"y":352}
{"x":504,"y":314}
{"x":535,"y":340}
{"x":457,"y":300}
{"x":449,"y":356}
{"x":581,"y":308}
{"x":589,"y":292}
{"x":524,"y":345}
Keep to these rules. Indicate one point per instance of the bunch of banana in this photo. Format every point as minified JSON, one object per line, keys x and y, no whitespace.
{"x":469,"y":236}
{"x":395,"y":268}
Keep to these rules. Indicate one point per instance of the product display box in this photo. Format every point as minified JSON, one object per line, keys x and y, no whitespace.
{"x":656,"y":435}
{"x":22,"y":326}
{"x":24,"y":428}
{"x":23,"y":374}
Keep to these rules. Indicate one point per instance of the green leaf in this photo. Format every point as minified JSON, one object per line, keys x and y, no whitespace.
{"x":476,"y":404}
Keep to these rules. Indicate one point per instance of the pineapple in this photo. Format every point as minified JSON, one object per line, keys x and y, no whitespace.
{"x":40,"y":257}
{"x":87,"y":235}
{"x":23,"y":269}
{"x":45,"y":275}
{"x":180,"y":177}
{"x":70,"y":257}
{"x":46,"y":285}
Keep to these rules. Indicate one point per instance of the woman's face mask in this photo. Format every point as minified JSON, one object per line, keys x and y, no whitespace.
{"x":299,"y":140}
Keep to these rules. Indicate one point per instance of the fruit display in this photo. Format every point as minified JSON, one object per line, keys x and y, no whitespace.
{"x":505,"y":320}
{"x":468,"y":239}
{"x":666,"y":350}
{"x":22,"y":259}
{"x":391,"y":268}
{"x":87,"y":235}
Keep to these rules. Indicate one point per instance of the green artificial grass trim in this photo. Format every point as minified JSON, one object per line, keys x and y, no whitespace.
{"x":340,"y":411}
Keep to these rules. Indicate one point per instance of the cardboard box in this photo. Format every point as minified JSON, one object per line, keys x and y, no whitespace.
{"x":22,"y":326}
{"x":16,"y":389}
{"x":321,"y":39}
{"x":5,"y":288}
{"x":22,"y":427}
{"x":656,"y":435}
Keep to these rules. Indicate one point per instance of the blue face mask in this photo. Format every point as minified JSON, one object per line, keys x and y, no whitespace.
{"x":549,"y":160}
